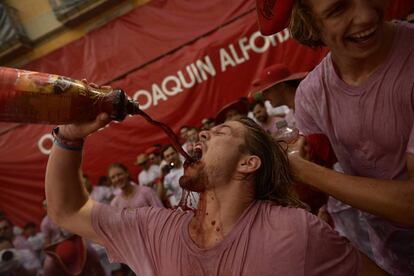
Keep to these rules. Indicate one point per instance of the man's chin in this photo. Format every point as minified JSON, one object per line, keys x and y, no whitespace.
{"x":195,"y":178}
{"x":190,"y":184}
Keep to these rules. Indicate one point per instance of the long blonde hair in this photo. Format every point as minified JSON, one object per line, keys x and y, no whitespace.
{"x":273,"y":179}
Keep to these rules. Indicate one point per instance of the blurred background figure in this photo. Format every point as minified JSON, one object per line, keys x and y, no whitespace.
{"x":278,"y":86}
{"x":17,"y":262}
{"x":36,"y":239}
{"x":18,"y":240}
{"x":182,"y":132}
{"x":102,"y":192}
{"x":192,"y":138}
{"x":154,"y":156}
{"x":149,"y":173}
{"x":208,"y":123}
{"x":171,"y":172}
{"x":266,"y":121}
{"x":132,"y":195}
{"x":233,"y":111}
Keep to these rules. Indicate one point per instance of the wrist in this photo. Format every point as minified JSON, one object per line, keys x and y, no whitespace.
{"x":299,"y":166}
{"x":66,"y":143}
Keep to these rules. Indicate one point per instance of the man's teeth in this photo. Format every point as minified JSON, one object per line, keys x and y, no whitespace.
{"x":364,"y":34}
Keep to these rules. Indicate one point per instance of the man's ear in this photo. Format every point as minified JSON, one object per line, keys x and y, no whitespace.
{"x":249,"y":164}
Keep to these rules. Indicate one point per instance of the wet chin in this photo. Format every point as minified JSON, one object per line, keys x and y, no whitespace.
{"x":194,"y":178}
{"x":193,"y":184}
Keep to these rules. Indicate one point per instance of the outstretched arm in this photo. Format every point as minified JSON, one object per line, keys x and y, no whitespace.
{"x":390,"y":199}
{"x":68,"y":202}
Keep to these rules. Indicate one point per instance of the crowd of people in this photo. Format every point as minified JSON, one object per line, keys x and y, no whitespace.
{"x":336,"y":200}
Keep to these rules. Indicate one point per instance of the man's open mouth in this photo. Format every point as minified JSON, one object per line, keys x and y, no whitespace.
{"x":197,"y":154}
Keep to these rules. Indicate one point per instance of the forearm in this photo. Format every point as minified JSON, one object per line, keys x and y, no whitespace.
{"x":65,"y":193}
{"x":390,"y":199}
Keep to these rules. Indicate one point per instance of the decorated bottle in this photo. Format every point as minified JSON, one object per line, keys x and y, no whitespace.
{"x":33,"y":97}
{"x":286,"y":133}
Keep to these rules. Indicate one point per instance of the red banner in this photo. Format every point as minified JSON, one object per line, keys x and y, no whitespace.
{"x":190,"y":83}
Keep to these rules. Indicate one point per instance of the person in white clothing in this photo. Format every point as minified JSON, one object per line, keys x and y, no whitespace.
{"x":149,"y":173}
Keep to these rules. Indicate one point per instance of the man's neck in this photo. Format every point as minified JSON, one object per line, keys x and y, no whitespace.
{"x":217,"y":213}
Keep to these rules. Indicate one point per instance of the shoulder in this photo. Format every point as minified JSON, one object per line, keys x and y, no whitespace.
{"x":285,"y":217}
{"x":291,"y":218}
{"x":313,"y":83}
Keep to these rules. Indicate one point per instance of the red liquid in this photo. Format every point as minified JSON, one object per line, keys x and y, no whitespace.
{"x":186,"y":194}
{"x":170,"y":133}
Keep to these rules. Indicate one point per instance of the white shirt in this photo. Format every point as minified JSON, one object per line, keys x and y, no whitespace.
{"x":147,"y":177}
{"x":172,"y":185}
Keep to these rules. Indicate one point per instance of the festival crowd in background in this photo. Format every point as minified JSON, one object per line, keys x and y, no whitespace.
{"x":272,"y":105}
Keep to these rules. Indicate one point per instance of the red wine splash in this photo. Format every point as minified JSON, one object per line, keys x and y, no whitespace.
{"x":189,"y":160}
{"x":170,"y":133}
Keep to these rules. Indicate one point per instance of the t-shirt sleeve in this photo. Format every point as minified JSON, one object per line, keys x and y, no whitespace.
{"x":305,"y":109}
{"x":328,"y":253}
{"x":122,"y":231}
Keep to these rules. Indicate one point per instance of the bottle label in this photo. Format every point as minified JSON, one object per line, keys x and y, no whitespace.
{"x":36,"y":97}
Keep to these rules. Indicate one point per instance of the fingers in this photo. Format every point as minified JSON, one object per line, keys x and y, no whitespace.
{"x":81,"y":130}
{"x":94,"y":85}
{"x":101,"y":120}
{"x":91,"y":84}
{"x":298,"y":149}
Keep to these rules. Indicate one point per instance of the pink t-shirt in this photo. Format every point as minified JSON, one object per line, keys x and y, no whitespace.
{"x":266,"y":240}
{"x":371,"y":129}
{"x":143,"y":196}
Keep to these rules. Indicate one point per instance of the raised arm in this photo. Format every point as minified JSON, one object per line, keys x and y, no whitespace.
{"x":390,"y":199}
{"x":68,"y":202}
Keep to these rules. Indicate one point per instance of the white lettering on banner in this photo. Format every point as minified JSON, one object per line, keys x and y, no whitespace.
{"x":245,"y":48}
{"x":206,"y":68}
{"x":176,"y":86}
{"x":157,"y":94}
{"x":236,"y":58}
{"x":41,"y":143}
{"x":225,"y":60}
{"x":253,"y":43}
{"x":171,"y":85}
{"x":283,"y":35}
{"x":256,"y":43}
{"x":200,"y":70}
{"x":143,"y":94}
{"x":182,"y":78}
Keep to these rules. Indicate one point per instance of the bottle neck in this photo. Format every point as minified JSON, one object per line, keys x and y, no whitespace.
{"x":132,"y":107}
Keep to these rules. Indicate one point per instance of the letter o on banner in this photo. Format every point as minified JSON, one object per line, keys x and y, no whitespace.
{"x":257,"y":37}
{"x":45,"y":143}
{"x":144,"y":98}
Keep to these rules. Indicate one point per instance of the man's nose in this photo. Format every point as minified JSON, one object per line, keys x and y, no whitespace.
{"x":204,"y":135}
